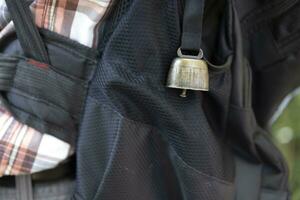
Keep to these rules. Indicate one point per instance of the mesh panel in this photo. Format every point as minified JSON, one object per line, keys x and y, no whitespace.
{"x":165,"y":147}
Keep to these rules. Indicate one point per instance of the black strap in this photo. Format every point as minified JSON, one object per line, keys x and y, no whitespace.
{"x":247,"y":179}
{"x":192,"y":25}
{"x":27,"y":31}
{"x":24,"y":187}
{"x":7,"y":71}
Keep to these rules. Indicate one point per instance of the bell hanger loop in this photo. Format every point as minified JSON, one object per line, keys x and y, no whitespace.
{"x":181,"y":55}
{"x":188,"y":71}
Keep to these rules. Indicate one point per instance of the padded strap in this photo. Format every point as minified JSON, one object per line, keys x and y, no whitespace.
{"x":7,"y":71}
{"x":192,"y":25}
{"x":34,"y":78}
{"x":27,"y":31}
{"x":42,"y":96}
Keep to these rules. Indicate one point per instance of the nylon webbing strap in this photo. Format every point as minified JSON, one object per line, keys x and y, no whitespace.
{"x":7,"y":71}
{"x":27,"y":31}
{"x":192,"y":25}
{"x":24,"y":187}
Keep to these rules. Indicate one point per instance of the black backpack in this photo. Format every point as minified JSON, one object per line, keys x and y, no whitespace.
{"x":137,"y":138}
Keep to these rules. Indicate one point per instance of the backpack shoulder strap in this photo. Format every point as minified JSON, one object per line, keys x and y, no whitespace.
{"x":27,"y":32}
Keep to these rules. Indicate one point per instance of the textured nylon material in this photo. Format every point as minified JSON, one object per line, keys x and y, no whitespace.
{"x":191,"y":37}
{"x":54,"y":190}
{"x":7,"y":71}
{"x":140,"y":140}
{"x":63,"y":91}
{"x":49,"y":98}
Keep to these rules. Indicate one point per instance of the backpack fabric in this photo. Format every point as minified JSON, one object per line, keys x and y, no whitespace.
{"x":137,"y":139}
{"x":140,"y":140}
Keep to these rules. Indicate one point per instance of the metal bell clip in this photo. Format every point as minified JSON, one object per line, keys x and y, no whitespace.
{"x":188,"y":73}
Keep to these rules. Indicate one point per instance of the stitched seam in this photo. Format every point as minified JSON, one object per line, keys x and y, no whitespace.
{"x":51,"y":37}
{"x":150,"y":126}
{"x":48,"y":124}
{"x":38,"y":99}
{"x":213,"y":178}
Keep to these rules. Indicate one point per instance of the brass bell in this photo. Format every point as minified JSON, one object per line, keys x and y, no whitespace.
{"x":189,"y":73}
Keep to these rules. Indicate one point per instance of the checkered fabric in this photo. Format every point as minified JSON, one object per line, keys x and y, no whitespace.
{"x":76,"y":19}
{"x":24,"y":150}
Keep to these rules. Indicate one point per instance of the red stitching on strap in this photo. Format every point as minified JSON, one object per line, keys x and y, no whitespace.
{"x":38,"y":64}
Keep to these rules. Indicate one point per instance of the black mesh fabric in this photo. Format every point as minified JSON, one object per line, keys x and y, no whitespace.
{"x":139,"y":139}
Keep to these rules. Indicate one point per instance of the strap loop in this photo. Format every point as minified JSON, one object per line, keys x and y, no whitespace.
{"x":191,"y":38}
{"x":198,"y":56}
